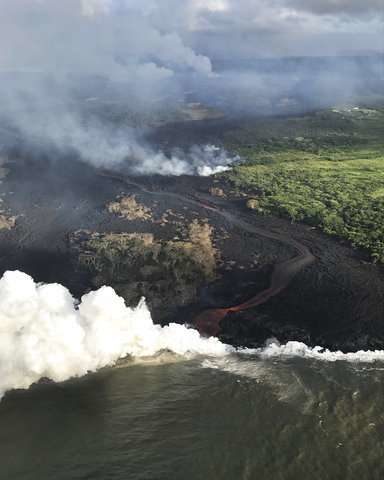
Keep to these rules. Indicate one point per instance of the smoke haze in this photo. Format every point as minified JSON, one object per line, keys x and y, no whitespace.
{"x":86,"y":80}
{"x":89,"y":77}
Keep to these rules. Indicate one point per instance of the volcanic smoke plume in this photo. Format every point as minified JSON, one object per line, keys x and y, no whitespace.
{"x":93,"y":94}
{"x":88,"y":77}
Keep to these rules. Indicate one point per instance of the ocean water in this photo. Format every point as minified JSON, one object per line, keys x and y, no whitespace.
{"x":239,"y":416}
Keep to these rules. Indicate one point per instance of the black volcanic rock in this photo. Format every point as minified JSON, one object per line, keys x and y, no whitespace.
{"x":336,"y":302}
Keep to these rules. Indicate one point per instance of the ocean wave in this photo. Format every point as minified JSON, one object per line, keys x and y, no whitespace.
{"x":292,"y":349}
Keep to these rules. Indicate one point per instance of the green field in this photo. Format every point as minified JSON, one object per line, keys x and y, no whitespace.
{"x":325,"y":169}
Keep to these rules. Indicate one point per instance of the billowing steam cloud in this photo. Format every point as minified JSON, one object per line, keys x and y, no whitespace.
{"x":44,"y":335}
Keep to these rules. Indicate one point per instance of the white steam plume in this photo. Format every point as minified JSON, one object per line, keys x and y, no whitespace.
{"x":44,"y":335}
{"x":201,"y":160}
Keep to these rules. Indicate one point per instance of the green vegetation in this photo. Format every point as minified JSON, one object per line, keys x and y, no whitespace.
{"x":325,"y":169}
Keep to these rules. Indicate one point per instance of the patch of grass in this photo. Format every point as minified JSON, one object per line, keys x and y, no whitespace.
{"x":325,"y":169}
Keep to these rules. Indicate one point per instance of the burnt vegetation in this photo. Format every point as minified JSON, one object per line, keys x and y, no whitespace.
{"x":139,"y":265}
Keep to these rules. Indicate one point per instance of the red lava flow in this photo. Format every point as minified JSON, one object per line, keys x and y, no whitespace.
{"x":208,"y":322}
